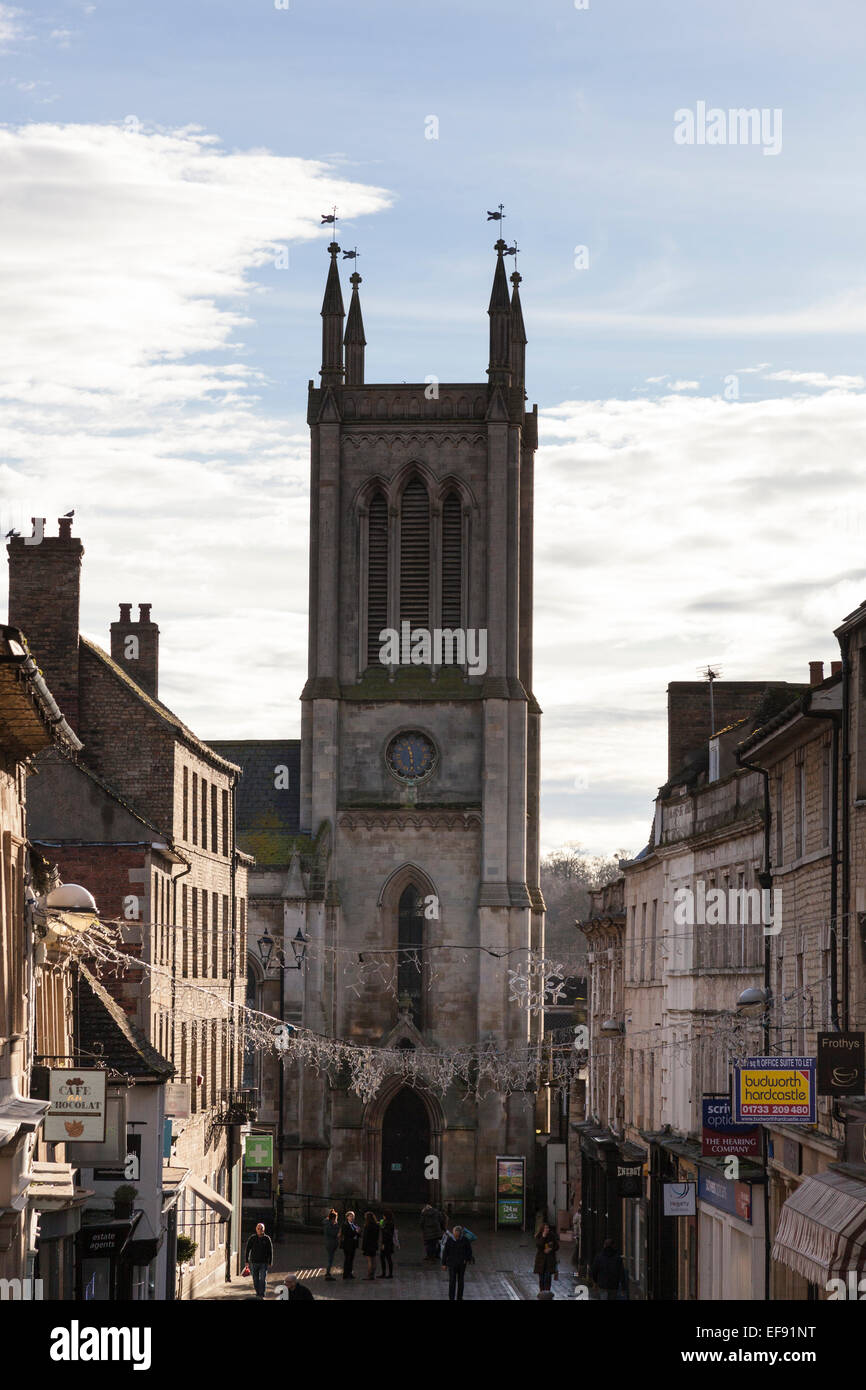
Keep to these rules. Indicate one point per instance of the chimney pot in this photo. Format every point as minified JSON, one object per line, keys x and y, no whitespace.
{"x":816,"y":672}
{"x":135,"y":647}
{"x":835,"y":668}
{"x":65,"y":524}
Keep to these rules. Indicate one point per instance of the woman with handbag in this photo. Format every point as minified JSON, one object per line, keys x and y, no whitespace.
{"x":389,"y":1244}
{"x":546,"y":1247}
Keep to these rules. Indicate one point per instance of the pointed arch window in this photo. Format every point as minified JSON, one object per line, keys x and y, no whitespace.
{"x":410,"y":945}
{"x":377,"y":575}
{"x":452,"y":561}
{"x":415,"y":555}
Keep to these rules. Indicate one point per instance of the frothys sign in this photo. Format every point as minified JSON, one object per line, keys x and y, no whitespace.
{"x":775,"y":1090}
{"x":77,"y":1112}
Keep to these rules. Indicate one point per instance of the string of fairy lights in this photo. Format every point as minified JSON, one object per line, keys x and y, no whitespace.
{"x":481,"y":1069}
{"x":534,"y":982}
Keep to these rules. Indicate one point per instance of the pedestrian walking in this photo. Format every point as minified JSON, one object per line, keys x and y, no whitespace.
{"x":259,"y":1256}
{"x":370,"y":1243}
{"x":349,"y":1237}
{"x":331,"y":1233}
{"x":546,"y":1247}
{"x":432,"y":1228}
{"x":608,"y":1272}
{"x":456,"y":1255}
{"x":390,"y":1243}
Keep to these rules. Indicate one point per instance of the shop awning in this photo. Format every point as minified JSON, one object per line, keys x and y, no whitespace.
{"x":822,"y":1228}
{"x":173,"y":1180}
{"x":210,"y":1195}
{"x":19,"y":1113}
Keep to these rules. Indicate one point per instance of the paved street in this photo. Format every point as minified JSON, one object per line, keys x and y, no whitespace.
{"x":502,"y":1271}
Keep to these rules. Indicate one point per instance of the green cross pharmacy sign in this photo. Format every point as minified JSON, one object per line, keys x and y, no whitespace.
{"x":259,"y":1151}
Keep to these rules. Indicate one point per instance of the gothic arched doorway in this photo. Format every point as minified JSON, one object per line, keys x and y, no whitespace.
{"x":405,"y":1146}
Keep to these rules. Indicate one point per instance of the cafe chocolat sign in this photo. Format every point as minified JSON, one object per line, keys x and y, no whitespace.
{"x":77,"y":1110}
{"x":841,"y":1064}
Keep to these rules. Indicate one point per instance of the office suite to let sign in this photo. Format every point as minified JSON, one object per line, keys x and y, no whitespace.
{"x":778,"y":1090}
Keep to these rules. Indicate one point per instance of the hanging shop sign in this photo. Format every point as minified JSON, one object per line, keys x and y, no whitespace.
{"x":510,"y":1191}
{"x":629,"y":1178}
{"x":679,"y":1198}
{"x":775,"y":1090}
{"x":177,"y":1100}
{"x":841,"y":1064}
{"x":718,"y":1191}
{"x":77,"y":1110}
{"x":259,"y":1151}
{"x":720,"y":1137}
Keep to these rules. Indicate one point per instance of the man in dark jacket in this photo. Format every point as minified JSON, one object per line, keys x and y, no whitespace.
{"x":259,"y":1256}
{"x":297,"y":1292}
{"x":456,"y":1255}
{"x":432,"y":1227}
{"x":608,"y":1271}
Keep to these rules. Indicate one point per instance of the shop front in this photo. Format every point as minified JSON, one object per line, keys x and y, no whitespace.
{"x":731,"y":1248}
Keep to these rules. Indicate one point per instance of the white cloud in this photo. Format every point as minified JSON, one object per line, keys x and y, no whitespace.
{"x":684,"y":385}
{"x":820,"y":381}
{"x":670,"y":533}
{"x":12,"y":27}
{"x":126,"y":271}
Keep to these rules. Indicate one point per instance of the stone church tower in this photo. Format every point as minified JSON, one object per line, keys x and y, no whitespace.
{"x":419,"y":779}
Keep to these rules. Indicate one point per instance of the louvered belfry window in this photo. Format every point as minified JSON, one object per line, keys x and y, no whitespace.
{"x":377,"y":576}
{"x":452,"y":561}
{"x":415,"y":556}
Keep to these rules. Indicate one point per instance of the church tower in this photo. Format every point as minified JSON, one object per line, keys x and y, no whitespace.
{"x":419,"y":757}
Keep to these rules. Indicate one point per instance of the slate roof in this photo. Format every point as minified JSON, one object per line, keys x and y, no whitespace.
{"x":102,"y":1027}
{"x":268,"y":817}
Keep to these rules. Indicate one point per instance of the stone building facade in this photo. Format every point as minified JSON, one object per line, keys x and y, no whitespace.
{"x":38,"y":1202}
{"x":144,"y":818}
{"x":419,"y":777}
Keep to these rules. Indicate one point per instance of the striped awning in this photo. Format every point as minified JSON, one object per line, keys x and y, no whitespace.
{"x":822,"y":1228}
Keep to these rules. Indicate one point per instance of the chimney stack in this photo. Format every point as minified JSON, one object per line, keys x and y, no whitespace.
{"x":816,"y":672}
{"x":835,"y":668}
{"x":135,"y":647}
{"x":44,"y":600}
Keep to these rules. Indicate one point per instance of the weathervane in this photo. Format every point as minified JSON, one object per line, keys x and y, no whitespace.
{"x":329,"y":219}
{"x":500,"y":218}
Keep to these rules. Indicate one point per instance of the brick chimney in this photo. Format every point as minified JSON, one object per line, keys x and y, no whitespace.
{"x":44,"y":600}
{"x":835,"y":668}
{"x":135,"y":647}
{"x":816,"y":672}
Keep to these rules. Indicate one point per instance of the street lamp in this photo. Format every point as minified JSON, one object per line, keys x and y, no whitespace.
{"x":299,"y":948}
{"x":754,"y":999}
{"x":266,"y":949}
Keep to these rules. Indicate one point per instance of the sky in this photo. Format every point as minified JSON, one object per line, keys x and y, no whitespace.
{"x":696,"y":316}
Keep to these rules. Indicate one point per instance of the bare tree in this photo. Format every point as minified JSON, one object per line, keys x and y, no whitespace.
{"x":567,"y":877}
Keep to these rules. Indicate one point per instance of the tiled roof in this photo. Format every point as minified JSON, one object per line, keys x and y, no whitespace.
{"x":103,"y":1028}
{"x":268,"y":816}
{"x":156,"y":706}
